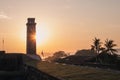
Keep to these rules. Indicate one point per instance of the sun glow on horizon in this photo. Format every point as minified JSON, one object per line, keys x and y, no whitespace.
{"x":42,"y":34}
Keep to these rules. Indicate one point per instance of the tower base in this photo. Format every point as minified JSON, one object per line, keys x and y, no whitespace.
{"x":34,"y":56}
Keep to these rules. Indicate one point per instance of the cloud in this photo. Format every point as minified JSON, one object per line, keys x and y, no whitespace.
{"x":4,"y":16}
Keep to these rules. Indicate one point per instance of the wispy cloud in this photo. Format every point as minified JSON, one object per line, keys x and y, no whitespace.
{"x":4,"y":16}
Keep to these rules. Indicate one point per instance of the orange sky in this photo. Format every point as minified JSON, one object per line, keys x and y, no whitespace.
{"x":66,"y":25}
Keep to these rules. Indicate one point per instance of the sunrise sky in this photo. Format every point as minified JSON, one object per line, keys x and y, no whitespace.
{"x":66,"y":25}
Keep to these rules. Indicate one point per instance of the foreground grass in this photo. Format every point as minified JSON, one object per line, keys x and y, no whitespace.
{"x":71,"y":72}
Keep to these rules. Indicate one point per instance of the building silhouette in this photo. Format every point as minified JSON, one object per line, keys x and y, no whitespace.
{"x":31,"y":34}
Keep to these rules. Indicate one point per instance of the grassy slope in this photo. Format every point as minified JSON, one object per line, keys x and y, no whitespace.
{"x":69,"y":72}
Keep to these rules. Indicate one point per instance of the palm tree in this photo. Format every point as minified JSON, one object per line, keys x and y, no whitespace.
{"x":96,"y":45}
{"x":109,"y":44}
{"x":108,"y":54}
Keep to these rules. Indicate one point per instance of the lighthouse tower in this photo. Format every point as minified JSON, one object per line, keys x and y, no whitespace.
{"x":31,"y":33}
{"x":31,"y":38}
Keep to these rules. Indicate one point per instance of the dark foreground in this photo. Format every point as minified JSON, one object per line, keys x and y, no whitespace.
{"x":17,"y":67}
{"x":28,"y":73}
{"x":14,"y":67}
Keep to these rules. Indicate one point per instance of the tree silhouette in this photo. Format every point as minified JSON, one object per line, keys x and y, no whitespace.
{"x":108,"y":55}
{"x":105,"y":54}
{"x":96,"y":45}
{"x":109,"y":44}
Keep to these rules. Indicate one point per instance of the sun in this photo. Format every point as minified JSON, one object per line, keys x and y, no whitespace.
{"x":42,"y":34}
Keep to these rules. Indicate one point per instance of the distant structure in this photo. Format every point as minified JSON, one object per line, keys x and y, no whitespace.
{"x":31,"y":38}
{"x":3,"y":44}
{"x":2,"y":51}
{"x":31,"y":33}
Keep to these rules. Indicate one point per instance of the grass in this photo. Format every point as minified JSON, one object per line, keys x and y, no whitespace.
{"x":71,"y":72}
